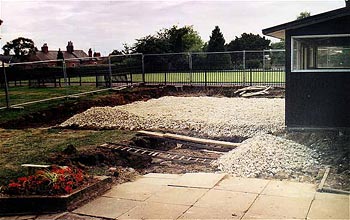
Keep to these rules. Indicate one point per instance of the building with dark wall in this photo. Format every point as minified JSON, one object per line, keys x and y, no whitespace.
{"x":317,"y":70}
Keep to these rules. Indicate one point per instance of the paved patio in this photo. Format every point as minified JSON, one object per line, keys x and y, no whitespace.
{"x":207,"y":196}
{"x":214,"y":196}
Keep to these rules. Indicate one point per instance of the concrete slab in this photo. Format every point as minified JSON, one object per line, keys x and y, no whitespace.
{"x":237,"y":184}
{"x":162,"y":175}
{"x":226,"y":200}
{"x":289,"y":189}
{"x":210,"y":213}
{"x":154,"y":181}
{"x":53,"y":216}
{"x":133,"y":191}
{"x":107,"y":207}
{"x":280,"y":207}
{"x":198,"y":180}
{"x":330,"y":206}
{"x":178,"y":195}
{"x":72,"y":216}
{"x":154,"y":210}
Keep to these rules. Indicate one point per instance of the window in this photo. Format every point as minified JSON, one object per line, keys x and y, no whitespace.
{"x":321,"y":53}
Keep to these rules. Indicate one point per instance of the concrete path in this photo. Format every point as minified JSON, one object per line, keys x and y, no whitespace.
{"x":214,"y":196}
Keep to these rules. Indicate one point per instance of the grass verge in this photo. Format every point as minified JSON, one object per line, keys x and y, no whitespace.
{"x":38,"y":145}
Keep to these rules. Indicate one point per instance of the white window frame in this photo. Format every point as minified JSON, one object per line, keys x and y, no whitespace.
{"x":314,"y":70}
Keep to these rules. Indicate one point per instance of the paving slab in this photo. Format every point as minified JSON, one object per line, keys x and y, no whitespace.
{"x":155,"y":181}
{"x":198,"y":180}
{"x":330,"y":206}
{"x":107,"y":207}
{"x":210,"y":213}
{"x":227,"y":200}
{"x":289,"y":189}
{"x":237,"y":184}
{"x":162,"y":175}
{"x":178,"y":195}
{"x":154,"y":210}
{"x":133,"y":191}
{"x":267,"y":206}
{"x":53,"y":216}
{"x":72,"y":216}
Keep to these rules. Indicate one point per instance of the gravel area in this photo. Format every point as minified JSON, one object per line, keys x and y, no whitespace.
{"x":206,"y":116}
{"x":270,"y":156}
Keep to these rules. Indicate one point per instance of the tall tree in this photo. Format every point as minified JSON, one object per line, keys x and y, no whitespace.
{"x":303,"y":14}
{"x":20,"y":47}
{"x":217,"y":41}
{"x":217,"y":44}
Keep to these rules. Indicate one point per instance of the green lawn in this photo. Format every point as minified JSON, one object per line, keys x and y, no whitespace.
{"x":22,"y":94}
{"x":213,"y":77}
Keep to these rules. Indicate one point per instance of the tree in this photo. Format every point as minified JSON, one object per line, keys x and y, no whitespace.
{"x":21,"y":48}
{"x":278,"y":45}
{"x":248,"y":42}
{"x":217,"y":44}
{"x":173,"y":40}
{"x":217,"y":41}
{"x":303,"y":14}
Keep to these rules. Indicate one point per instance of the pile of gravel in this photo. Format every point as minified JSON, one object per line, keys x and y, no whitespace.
{"x":207,"y":116}
{"x":270,"y":156}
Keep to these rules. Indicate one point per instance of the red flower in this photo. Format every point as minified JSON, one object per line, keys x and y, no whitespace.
{"x":14,"y":185}
{"x":70,"y":183}
{"x":22,"y":179}
{"x":68,"y":189}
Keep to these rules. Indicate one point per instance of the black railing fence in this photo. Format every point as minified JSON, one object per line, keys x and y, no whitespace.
{"x":28,"y":82}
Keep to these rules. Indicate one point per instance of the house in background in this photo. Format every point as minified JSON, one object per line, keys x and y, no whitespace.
{"x":71,"y":56}
{"x":317,"y":70}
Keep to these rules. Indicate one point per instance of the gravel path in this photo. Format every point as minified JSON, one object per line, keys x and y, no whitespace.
{"x":270,"y":156}
{"x":208,"y":116}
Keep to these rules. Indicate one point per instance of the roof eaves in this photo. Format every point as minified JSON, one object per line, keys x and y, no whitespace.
{"x":272,"y":31}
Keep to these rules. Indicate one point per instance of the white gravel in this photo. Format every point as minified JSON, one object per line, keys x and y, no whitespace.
{"x":208,"y":116}
{"x":270,"y":156}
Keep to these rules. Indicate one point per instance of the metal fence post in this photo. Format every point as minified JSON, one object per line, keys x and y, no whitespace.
{"x":205,"y":79}
{"x":143,"y":69}
{"x":251,"y":77}
{"x":6,"y":86}
{"x":65,"y":76}
{"x":110,"y":71}
{"x":164,"y":78}
{"x":190,"y":65}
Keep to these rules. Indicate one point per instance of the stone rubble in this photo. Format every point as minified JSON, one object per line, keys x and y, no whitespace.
{"x":207,"y":116}
{"x":270,"y":156}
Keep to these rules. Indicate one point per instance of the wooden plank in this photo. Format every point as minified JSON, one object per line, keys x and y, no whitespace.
{"x":190,"y":139}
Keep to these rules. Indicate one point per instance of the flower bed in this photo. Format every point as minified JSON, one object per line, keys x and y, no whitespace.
{"x":51,"y":190}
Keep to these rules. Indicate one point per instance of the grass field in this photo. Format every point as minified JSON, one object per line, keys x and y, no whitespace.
{"x":213,"y":77}
{"x":22,"y":94}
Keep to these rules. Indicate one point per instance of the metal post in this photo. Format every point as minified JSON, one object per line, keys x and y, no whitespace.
{"x":164,"y":78}
{"x":65,"y":76}
{"x":243,"y":59}
{"x":143,"y":69}
{"x":110,"y":71}
{"x":6,"y":86}
{"x":190,"y":66}
{"x":264,"y":60}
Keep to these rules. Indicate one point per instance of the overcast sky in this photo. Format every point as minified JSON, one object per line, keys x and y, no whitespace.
{"x":105,"y":25}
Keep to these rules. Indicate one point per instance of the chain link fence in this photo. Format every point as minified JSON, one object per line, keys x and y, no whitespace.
{"x":31,"y":82}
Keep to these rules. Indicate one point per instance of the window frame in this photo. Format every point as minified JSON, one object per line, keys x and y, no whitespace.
{"x":292,"y":38}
